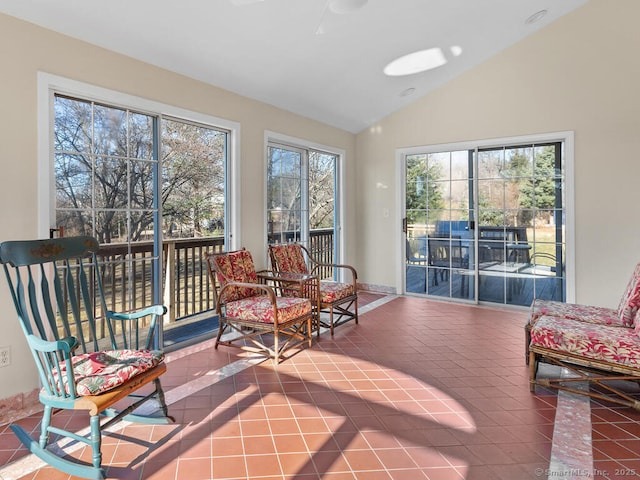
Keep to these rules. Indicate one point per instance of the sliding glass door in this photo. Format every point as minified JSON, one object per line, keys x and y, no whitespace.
{"x":302,"y":198}
{"x":486,"y":224}
{"x":439,"y":212}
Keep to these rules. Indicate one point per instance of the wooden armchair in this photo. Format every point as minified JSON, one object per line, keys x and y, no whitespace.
{"x":84,"y":363}
{"x":334,"y":297}
{"x":248,"y":309}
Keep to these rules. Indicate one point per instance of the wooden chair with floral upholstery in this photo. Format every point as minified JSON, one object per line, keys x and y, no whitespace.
{"x":85,"y":363}
{"x":249,"y":310}
{"x":338,"y":299}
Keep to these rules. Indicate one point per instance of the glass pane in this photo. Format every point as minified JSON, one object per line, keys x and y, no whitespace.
{"x":439,"y":166}
{"x":491,"y":194}
{"x":193,"y":180}
{"x":416,"y":277}
{"x":75,"y":222}
{"x":322,"y":168}
{"x":490,"y":164}
{"x":141,"y":136}
{"x":110,"y":131}
{"x":111,"y":183}
{"x":73,"y":181}
{"x":518,"y":162}
{"x":416,"y":183}
{"x":111,"y":226}
{"x":141,"y":226}
{"x":544,"y":162}
{"x":442,"y":195}
{"x":459,"y":192}
{"x":142,"y":185}
{"x":72,"y":125}
{"x":460,"y":165}
{"x":416,"y":218}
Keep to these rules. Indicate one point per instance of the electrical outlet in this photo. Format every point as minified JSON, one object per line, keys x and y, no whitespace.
{"x":5,"y":356}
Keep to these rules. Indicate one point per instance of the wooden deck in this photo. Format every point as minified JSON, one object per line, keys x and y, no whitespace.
{"x":517,"y":286}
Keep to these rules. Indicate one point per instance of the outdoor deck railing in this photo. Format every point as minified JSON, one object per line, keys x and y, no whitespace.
{"x":186,"y":286}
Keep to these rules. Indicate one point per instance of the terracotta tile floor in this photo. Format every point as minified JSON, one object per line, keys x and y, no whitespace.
{"x":418,"y":390}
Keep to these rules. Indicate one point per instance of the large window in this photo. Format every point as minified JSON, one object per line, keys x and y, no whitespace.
{"x":150,"y":182}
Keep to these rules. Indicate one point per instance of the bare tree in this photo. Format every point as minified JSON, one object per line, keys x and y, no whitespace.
{"x":105,"y":163}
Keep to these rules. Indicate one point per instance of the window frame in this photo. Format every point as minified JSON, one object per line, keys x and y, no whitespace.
{"x":49,"y":84}
{"x":286,"y":141}
{"x":566,"y":137}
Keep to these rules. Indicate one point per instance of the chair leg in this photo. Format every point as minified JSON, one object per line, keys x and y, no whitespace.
{"x":221,"y":329}
{"x":355,"y":309}
{"x":331,"y":319}
{"x":161,"y":399}
{"x":96,"y":440}
{"x":276,"y":347}
{"x":44,"y":426}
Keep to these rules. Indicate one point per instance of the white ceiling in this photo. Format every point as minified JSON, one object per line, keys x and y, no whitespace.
{"x":270,"y":50}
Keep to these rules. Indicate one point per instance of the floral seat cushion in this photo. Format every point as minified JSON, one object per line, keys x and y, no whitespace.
{"x":236,"y":267}
{"x":260,"y":309}
{"x":288,"y":257}
{"x":331,"y":292}
{"x":588,"y":340}
{"x":99,"y":372}
{"x":574,"y":311}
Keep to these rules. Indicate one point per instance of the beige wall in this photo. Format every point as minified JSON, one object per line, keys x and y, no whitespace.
{"x":26,"y":49}
{"x":580,"y":74}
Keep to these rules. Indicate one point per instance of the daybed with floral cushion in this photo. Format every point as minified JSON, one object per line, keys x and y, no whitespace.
{"x":249,"y":310}
{"x":597,"y":344}
{"x":339,"y":298}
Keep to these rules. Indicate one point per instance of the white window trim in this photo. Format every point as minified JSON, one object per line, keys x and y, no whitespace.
{"x":274,"y":137}
{"x":49,"y":84}
{"x":567,"y":137}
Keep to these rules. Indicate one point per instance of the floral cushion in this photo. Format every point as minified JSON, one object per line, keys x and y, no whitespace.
{"x":574,"y":311}
{"x":598,"y":342}
{"x":260,"y":309}
{"x":98,"y":372}
{"x":331,"y":292}
{"x":236,"y":267}
{"x":630,"y":301}
{"x":288,"y":257}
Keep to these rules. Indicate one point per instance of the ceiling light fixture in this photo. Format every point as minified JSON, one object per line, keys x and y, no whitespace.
{"x":416,"y":62}
{"x":407,"y":91}
{"x":338,"y":7}
{"x":535,"y":17}
{"x":456,"y":50}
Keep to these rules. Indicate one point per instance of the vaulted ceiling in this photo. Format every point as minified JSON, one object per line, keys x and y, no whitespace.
{"x":323,"y":59}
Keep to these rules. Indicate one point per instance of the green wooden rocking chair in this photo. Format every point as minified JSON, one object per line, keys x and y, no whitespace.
{"x":84,"y":363}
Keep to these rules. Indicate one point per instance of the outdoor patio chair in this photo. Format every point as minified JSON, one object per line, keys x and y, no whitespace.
{"x":250,"y":312}
{"x":446,"y":253}
{"x":339,"y":298}
{"x":84,"y":363}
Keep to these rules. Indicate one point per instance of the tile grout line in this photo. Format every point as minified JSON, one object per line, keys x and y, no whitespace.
{"x":31,"y":463}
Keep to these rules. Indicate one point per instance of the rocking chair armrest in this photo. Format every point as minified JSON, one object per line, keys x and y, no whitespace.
{"x":145,"y":312}
{"x":66,"y":345}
